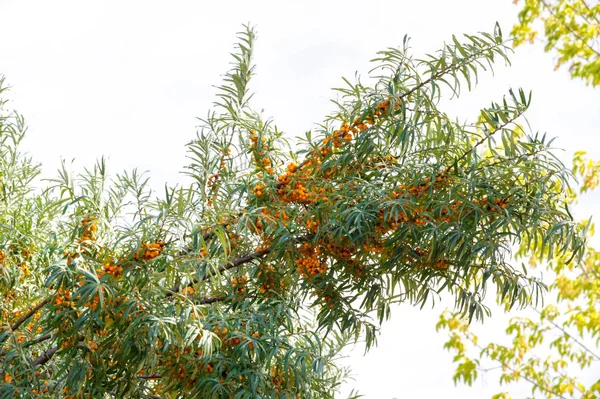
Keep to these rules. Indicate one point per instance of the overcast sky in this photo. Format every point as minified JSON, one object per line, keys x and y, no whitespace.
{"x":126,"y":79}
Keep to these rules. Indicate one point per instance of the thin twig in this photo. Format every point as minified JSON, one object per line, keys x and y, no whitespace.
{"x":568,"y":335}
{"x":566,"y":26}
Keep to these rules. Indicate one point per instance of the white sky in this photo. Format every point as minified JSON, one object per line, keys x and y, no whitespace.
{"x":126,"y":79}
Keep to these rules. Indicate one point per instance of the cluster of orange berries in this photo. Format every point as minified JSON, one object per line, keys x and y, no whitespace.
{"x":63,"y":298}
{"x":345,"y":132}
{"x":29,"y":327}
{"x":90,"y":227}
{"x":258,"y":190}
{"x":233,"y":237}
{"x":68,"y":343}
{"x":268,"y":279}
{"x":282,"y":215}
{"x":279,"y":382}
{"x":25,"y":272}
{"x":298,"y":193}
{"x":329,"y":301}
{"x":94,"y":303}
{"x":177,"y":371}
{"x":383,"y":107}
{"x":213,"y":179}
{"x":375,"y":246}
{"x":442,"y":179}
{"x":113,"y":270}
{"x":423,"y":253}
{"x":259,"y":221}
{"x":231,"y":338}
{"x":149,"y":251}
{"x":312,"y":225}
{"x":311,"y":262}
{"x":498,"y":203}
{"x":254,"y":139}
{"x":2,"y":261}
{"x":384,"y":225}
{"x":338,"y":250}
{"x":259,"y":158}
{"x":238,"y":285}
{"x":71,"y":256}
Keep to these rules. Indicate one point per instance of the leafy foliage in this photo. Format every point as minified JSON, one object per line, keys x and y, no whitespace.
{"x":571,"y":27}
{"x":556,"y":351}
{"x":247,"y":282}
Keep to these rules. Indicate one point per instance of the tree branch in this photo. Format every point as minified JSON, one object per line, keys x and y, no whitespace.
{"x":37,"y":340}
{"x":235,"y":263}
{"x":150,"y":377}
{"x":525,"y":377}
{"x":44,"y":357}
{"x":566,"y":26}
{"x":26,"y":316}
{"x":208,"y":301}
{"x":568,"y":335}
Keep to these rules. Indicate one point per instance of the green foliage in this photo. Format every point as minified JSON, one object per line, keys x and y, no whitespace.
{"x":553,"y":350}
{"x":571,"y":28}
{"x":248,"y":281}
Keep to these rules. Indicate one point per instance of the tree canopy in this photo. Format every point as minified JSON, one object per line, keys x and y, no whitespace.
{"x":553,"y":349}
{"x":247,"y":281}
{"x":571,"y":28}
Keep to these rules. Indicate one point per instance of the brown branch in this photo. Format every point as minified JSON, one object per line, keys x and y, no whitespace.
{"x":239,"y":261}
{"x":44,"y":357}
{"x":48,"y":355}
{"x":236,"y":263}
{"x":150,"y":377}
{"x":482,"y":140}
{"x":253,"y":256}
{"x":37,"y":340}
{"x":208,"y":301}
{"x":26,"y":316}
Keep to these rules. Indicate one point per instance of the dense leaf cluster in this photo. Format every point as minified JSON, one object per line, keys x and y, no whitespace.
{"x":247,"y":282}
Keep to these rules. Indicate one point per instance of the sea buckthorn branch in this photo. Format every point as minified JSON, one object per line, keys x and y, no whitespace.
{"x":349,"y":224}
{"x":30,"y":313}
{"x":15,"y":326}
{"x":239,"y":261}
{"x":149,"y":377}
{"x":520,"y":109}
{"x":44,"y":357}
{"x":40,"y":339}
{"x":48,"y":355}
{"x":476,"y":51}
